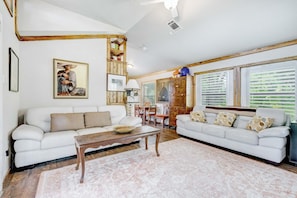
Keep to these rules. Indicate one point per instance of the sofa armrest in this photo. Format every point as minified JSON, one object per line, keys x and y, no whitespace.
{"x":281,"y":131}
{"x":27,"y":132}
{"x":130,"y":120}
{"x":184,"y":117}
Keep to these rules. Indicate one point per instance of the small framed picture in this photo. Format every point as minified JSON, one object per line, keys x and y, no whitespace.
{"x":9,"y":5}
{"x":116,"y":82}
{"x":13,"y":71}
{"x":70,"y":79}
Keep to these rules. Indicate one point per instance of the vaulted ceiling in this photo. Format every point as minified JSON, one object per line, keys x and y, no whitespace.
{"x":209,"y":28}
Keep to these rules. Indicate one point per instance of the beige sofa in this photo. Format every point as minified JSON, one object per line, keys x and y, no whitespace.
{"x":269,"y":144}
{"x":48,"y":132}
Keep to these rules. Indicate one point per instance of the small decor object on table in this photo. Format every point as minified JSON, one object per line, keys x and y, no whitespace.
{"x":124,"y":129}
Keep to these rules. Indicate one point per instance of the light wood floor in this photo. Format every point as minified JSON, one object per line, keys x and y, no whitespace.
{"x":23,"y":184}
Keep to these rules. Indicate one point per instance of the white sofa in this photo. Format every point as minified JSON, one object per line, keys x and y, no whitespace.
{"x":34,"y":142}
{"x":269,"y":144}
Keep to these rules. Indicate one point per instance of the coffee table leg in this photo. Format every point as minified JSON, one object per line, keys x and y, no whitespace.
{"x":146,"y":143}
{"x":82,"y":159}
{"x":77,"y":158}
{"x":157,"y":144}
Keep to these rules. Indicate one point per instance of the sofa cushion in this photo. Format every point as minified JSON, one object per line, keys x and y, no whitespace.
{"x":259,"y":123}
{"x":198,"y":116}
{"x":194,"y":126}
{"x":278,"y":115}
{"x":40,"y":116}
{"x":225,"y":119}
{"x":242,"y":135}
{"x":242,"y":122}
{"x":67,"y":121}
{"x":214,"y":130}
{"x":117,"y":112}
{"x":58,"y":139}
{"x":210,"y":117}
{"x":97,"y":119}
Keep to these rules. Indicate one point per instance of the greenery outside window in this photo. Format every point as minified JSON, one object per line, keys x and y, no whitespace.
{"x":215,"y":88}
{"x":149,"y":92}
{"x":270,"y":86}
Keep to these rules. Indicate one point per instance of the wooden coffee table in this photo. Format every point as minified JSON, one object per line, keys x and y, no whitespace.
{"x":95,"y":140}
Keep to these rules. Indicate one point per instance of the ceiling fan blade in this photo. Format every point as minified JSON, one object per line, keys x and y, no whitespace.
{"x":148,"y":2}
{"x":174,"y":12}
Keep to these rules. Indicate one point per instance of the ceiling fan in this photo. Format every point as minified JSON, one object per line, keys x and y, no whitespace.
{"x":170,"y":5}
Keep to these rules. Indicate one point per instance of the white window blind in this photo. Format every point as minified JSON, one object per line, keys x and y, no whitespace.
{"x":215,"y":88}
{"x":271,"y":86}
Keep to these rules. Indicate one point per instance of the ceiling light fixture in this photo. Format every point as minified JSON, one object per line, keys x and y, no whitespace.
{"x":170,"y":4}
{"x":144,"y":48}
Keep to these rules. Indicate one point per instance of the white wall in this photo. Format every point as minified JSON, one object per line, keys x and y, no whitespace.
{"x":9,"y":101}
{"x":36,"y":71}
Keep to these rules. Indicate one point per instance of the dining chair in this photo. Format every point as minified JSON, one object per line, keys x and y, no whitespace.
{"x":150,"y":113}
{"x":139,"y":112}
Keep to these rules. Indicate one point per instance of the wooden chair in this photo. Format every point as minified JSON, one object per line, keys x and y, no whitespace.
{"x":140,"y":112}
{"x":161,"y":117}
{"x":150,"y":113}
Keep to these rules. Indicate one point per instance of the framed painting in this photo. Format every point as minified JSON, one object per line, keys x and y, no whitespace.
{"x":13,"y":71}
{"x":116,"y":82}
{"x":70,"y":79}
{"x":163,"y":90}
{"x":9,"y":5}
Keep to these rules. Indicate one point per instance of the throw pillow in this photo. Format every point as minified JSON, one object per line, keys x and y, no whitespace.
{"x":259,"y":123}
{"x":67,"y":121}
{"x":225,"y":119}
{"x":97,"y":119}
{"x":197,"y":116}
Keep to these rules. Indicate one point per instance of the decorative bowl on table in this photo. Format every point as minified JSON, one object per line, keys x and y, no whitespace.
{"x":124,"y":129}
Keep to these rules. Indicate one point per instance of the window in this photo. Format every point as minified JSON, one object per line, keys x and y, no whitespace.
{"x":215,"y":89}
{"x":270,"y":86}
{"x":149,"y":92}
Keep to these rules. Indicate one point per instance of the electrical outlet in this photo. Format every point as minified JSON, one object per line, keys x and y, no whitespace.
{"x":7,"y":153}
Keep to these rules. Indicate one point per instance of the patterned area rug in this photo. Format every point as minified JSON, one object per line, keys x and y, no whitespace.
{"x":185,"y":169}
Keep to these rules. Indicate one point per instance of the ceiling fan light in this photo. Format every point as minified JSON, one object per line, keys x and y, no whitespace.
{"x":170,"y":4}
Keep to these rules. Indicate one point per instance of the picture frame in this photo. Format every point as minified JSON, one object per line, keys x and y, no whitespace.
{"x":71,"y":79}
{"x":13,"y":71}
{"x":116,"y":82}
{"x":9,"y":5}
{"x":162,"y":90}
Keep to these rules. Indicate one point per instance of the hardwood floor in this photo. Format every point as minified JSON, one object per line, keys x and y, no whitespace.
{"x":23,"y":184}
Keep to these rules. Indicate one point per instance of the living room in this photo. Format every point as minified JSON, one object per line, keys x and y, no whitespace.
{"x":36,"y":63}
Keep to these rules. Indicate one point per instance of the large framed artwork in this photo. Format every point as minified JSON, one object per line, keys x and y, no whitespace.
{"x":70,"y":79}
{"x":9,"y":5}
{"x":163,"y":90}
{"x":13,"y":71}
{"x":116,"y":82}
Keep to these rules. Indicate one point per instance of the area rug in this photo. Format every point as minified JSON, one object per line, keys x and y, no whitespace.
{"x":185,"y":169}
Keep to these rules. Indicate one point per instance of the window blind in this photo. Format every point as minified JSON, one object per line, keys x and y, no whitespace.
{"x":215,"y":88}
